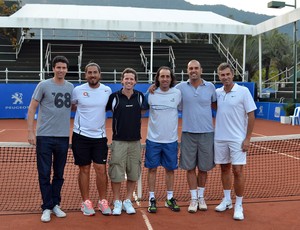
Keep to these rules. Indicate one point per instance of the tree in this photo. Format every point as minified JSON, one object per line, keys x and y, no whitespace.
{"x":276,"y":52}
{"x":8,"y":8}
{"x":235,"y":43}
{"x":283,"y":54}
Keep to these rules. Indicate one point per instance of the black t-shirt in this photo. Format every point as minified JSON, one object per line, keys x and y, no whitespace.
{"x":126,"y":123}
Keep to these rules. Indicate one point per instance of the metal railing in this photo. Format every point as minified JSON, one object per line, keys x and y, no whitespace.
{"x":109,"y":77}
{"x":172,"y":58}
{"x":144,"y":60}
{"x":49,"y":52}
{"x":170,"y":54}
{"x":6,"y":75}
{"x":273,"y":83}
{"x":16,"y":47}
{"x":20,"y":43}
{"x":216,"y":41}
{"x":277,"y":83}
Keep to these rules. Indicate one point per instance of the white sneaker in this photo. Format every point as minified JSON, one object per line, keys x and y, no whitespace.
{"x":127,"y":206}
{"x":201,"y":204}
{"x":238,"y":212}
{"x":193,"y":206}
{"x":58,"y":212}
{"x":225,"y":204}
{"x":46,"y":216}
{"x":117,"y":208}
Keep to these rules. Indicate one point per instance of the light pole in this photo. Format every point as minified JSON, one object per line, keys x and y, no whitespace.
{"x":278,"y":5}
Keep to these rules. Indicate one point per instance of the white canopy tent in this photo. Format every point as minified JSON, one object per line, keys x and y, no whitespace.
{"x":106,"y":18}
{"x":77,"y":17}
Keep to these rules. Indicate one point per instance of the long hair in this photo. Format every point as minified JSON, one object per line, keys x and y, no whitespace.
{"x":173,"y":78}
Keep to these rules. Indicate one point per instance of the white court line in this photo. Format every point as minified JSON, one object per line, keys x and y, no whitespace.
{"x":258,"y":134}
{"x":274,"y":151}
{"x":144,"y":215}
{"x":284,"y":154}
{"x":147,"y":222}
{"x":2,"y":130}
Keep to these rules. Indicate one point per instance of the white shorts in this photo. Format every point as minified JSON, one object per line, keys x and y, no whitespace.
{"x":229,"y":152}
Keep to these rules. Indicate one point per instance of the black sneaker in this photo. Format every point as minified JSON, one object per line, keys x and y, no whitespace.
{"x":152,"y":205}
{"x":172,"y":205}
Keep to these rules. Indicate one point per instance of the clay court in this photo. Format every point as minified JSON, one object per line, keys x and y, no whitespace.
{"x":274,"y":212}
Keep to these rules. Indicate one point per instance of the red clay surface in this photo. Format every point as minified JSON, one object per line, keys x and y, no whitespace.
{"x":265,"y":216}
{"x":259,"y":214}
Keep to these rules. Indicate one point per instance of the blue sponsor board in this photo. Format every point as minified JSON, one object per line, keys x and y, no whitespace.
{"x":270,"y":110}
{"x":275,"y":111}
{"x":262,"y":110}
{"x":15,"y":98}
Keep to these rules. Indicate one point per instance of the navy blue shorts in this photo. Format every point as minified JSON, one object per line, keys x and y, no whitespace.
{"x":87,"y":150}
{"x":161,"y":154}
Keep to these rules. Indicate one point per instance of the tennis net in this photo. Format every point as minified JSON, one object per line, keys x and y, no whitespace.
{"x":272,"y":171}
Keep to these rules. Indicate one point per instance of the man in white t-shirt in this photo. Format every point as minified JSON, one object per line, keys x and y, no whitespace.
{"x":234,"y":125}
{"x":89,"y":142}
{"x":162,"y":137}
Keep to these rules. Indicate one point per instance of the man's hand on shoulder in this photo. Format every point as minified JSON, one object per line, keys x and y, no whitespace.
{"x":152,"y":88}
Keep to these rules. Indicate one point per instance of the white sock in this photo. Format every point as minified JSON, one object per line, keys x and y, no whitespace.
{"x":227,"y":194}
{"x":169,"y":194}
{"x":239,"y":200}
{"x":201,"y":192}
{"x":193,"y":194}
{"x":151,"y":195}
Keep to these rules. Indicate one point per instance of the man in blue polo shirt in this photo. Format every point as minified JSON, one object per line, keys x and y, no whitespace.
{"x":197,"y":137}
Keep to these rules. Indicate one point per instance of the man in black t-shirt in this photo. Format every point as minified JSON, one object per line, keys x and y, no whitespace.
{"x":126,"y":105}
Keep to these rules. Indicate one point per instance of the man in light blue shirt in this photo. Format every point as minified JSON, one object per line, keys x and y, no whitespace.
{"x":197,"y":137}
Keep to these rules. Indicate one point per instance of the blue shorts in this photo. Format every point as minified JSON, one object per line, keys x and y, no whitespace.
{"x":161,"y":154}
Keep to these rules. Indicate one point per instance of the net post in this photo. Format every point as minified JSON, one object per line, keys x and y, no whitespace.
{"x":139,"y":187}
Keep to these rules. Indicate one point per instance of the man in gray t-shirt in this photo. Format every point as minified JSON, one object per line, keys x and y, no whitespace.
{"x":53,"y":97}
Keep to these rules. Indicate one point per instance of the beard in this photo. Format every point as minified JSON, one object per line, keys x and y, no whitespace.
{"x":93,"y":82}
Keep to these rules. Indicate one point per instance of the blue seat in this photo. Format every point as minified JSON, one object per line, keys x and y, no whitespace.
{"x":296,"y":116}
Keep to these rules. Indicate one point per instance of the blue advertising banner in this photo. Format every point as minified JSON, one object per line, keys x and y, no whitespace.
{"x":15,"y":98}
{"x":262,"y":110}
{"x":275,"y":111}
{"x":270,"y":110}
